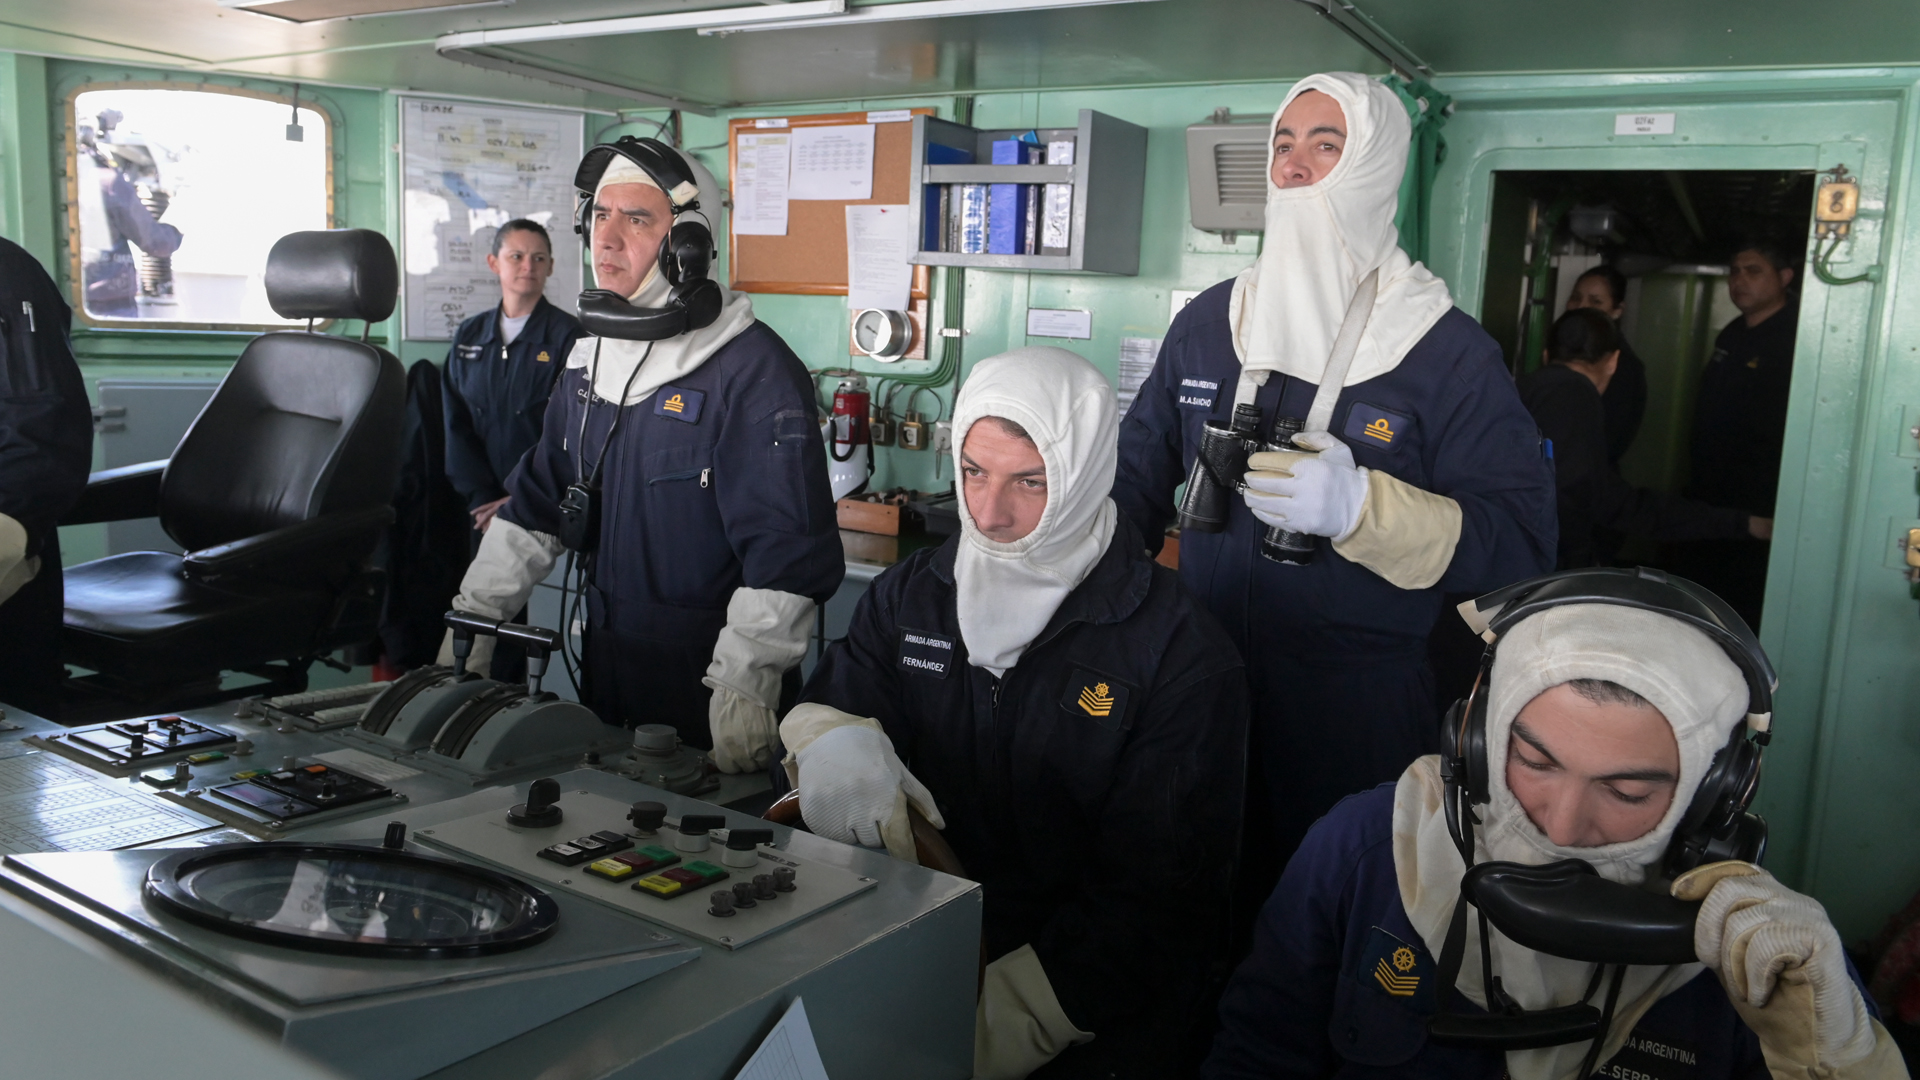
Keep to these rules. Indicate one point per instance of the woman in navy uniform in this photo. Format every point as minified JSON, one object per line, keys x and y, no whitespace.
{"x":501,"y":369}
{"x":1601,"y":723}
{"x":1079,"y":723}
{"x":713,"y":534}
{"x":46,"y":448}
{"x":1428,"y":478}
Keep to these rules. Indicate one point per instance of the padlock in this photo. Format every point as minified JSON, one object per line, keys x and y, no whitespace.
{"x":913,"y":430}
{"x":879,"y":429}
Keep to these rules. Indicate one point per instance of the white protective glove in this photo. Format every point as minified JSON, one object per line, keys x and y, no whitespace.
{"x":499,"y":581}
{"x":1320,"y":493}
{"x":1019,"y":1024}
{"x":1779,"y":958}
{"x":766,"y":633}
{"x":853,"y":787}
{"x":15,"y":568}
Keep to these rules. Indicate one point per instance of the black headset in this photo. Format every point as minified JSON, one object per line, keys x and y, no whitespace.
{"x":1716,"y":825}
{"x":686,"y":253}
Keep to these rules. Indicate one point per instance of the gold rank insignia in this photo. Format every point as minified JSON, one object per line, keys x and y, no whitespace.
{"x":544,"y":357}
{"x":1396,"y":976}
{"x":1097,"y":700}
{"x":674,"y":404}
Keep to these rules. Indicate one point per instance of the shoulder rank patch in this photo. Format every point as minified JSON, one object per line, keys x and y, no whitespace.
{"x":1397,"y":968}
{"x":1091,"y":695}
{"x":545,"y":357}
{"x":679,"y":403}
{"x":1371,"y":425}
{"x":924,"y":652}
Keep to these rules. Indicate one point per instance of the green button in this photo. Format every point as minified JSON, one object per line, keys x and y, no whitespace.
{"x":705,"y":869}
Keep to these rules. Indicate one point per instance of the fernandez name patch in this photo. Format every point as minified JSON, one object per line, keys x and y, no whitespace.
{"x":679,"y":403}
{"x":925,"y":653}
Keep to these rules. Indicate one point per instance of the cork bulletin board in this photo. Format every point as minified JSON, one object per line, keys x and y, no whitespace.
{"x":811,"y":259}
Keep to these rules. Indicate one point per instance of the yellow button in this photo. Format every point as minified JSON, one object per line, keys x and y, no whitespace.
{"x":659,"y":886}
{"x":610,"y":868}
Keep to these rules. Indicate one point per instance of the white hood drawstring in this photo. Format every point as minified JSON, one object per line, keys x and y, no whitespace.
{"x":1695,"y":686}
{"x":1321,"y":240}
{"x":611,"y":361}
{"x":1007,"y":593}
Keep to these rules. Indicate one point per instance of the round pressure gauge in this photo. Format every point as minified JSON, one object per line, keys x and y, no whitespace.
{"x":883,"y":335}
{"x":362,"y":901}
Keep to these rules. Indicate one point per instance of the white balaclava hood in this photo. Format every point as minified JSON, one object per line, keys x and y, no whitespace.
{"x":1007,"y":593}
{"x":1323,"y":239}
{"x":612,"y":361}
{"x":1678,"y":669}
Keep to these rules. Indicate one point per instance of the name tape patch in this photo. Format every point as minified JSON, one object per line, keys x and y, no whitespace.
{"x":1371,"y":425}
{"x":1198,"y":395}
{"x":1090,"y":695}
{"x":925,"y":652}
{"x":678,"y":403}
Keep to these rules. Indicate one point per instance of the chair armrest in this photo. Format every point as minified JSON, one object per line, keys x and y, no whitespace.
{"x":316,"y":540}
{"x":130,"y":491}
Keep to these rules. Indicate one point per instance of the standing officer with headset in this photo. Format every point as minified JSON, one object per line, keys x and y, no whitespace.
{"x":1419,"y":472}
{"x":681,"y":460}
{"x":1593,"y":792}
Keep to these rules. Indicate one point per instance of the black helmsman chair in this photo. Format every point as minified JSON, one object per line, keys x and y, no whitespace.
{"x":279,"y":493}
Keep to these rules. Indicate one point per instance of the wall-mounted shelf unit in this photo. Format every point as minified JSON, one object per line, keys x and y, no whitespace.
{"x":1108,"y":176}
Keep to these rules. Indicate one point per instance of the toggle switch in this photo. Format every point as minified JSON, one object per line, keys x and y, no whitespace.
{"x":542,"y":808}
{"x":743,"y":894}
{"x":182,"y":776}
{"x":647,"y":817}
{"x":396,"y":838}
{"x":743,"y":847}
{"x":693,"y":831}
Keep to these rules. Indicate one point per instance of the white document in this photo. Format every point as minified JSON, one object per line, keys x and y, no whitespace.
{"x":1137,"y":355}
{"x":1643,"y":123}
{"x":760,"y":185}
{"x":1059,"y":322}
{"x":788,"y":1052}
{"x":833,"y":162}
{"x":879,"y":242}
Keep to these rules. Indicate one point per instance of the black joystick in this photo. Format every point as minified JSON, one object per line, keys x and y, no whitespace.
{"x":136,"y":744}
{"x":396,"y":838}
{"x":743,"y":894}
{"x":542,"y":808}
{"x":647,"y":817}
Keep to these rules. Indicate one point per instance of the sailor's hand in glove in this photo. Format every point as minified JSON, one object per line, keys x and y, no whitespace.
{"x":1779,"y":958}
{"x":744,"y":731}
{"x":854,"y":789}
{"x":1320,"y":492}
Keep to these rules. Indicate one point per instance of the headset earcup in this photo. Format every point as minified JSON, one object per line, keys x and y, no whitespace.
{"x":701,"y":299}
{"x":1714,"y":824}
{"x":1474,"y":746}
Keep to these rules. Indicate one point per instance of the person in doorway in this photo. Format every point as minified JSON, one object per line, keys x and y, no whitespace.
{"x":1421,"y":472}
{"x":681,"y":456}
{"x":1604,"y":721}
{"x":501,"y":369}
{"x":46,"y":448}
{"x":1740,"y":423}
{"x":1567,"y":399}
{"x":1059,"y":704}
{"x":1604,"y":289}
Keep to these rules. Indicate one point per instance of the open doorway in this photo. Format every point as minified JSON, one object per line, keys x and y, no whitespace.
{"x":1673,"y":236}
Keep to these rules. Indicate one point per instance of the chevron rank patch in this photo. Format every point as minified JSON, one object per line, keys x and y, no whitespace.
{"x":1397,"y":969}
{"x":1092,"y":696}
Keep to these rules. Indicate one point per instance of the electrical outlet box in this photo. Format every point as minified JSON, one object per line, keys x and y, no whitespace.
{"x":943,"y":437}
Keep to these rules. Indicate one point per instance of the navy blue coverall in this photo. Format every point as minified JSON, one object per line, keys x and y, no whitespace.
{"x":716,"y":481}
{"x":496,"y":396}
{"x":1095,"y":791}
{"x":1309,"y":1002}
{"x":1337,"y":655}
{"x":46,"y":448}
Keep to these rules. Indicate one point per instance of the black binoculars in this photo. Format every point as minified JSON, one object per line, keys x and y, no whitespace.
{"x":1219,"y":471}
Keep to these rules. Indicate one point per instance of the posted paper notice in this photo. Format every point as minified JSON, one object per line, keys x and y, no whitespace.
{"x":788,"y":1052}
{"x":760,"y":184}
{"x":834,"y":162}
{"x":879,"y":243}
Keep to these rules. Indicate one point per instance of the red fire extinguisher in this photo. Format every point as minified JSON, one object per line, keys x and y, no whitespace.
{"x":849,"y":444}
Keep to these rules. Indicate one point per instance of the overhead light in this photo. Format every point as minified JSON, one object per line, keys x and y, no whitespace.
{"x":913,"y":9}
{"x":635,"y":24}
{"x":306,"y":11}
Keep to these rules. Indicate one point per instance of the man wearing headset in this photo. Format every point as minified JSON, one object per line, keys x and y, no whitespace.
{"x":681,"y":459}
{"x":1618,"y":722}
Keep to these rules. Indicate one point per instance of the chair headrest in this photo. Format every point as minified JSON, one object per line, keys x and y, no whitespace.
{"x":333,"y":274}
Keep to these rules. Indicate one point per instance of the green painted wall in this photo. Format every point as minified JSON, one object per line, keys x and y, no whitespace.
{"x":1841,"y":627}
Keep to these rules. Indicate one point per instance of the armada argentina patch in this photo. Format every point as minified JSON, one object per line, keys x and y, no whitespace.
{"x":925,"y":652}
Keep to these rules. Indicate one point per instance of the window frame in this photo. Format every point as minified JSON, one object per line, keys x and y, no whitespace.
{"x":70,"y":188}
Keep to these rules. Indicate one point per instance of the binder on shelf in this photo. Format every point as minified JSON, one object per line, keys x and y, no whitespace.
{"x":972,"y":200}
{"x":1007,"y":203}
{"x":1056,"y":225}
{"x":936,"y":198}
